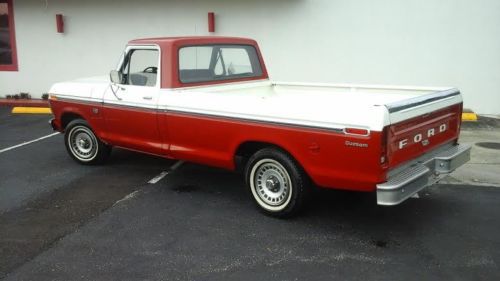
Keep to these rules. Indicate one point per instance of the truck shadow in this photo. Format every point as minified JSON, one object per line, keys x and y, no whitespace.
{"x":123,"y":157}
{"x":330,"y":211}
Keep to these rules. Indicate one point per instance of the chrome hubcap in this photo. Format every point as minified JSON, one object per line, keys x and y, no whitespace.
{"x":272,"y":182}
{"x":82,"y":143}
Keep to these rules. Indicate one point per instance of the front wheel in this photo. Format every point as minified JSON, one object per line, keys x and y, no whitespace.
{"x":83,"y":145}
{"x":279,"y":186}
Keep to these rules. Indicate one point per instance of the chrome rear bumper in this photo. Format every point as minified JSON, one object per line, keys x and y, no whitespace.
{"x":422,"y":173}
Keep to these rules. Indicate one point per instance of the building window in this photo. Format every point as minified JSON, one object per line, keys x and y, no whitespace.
{"x":8,"y":54}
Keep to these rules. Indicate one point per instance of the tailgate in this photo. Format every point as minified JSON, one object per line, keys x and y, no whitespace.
{"x":421,"y":125}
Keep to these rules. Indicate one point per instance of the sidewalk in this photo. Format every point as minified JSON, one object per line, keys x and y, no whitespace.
{"x":484,"y":166}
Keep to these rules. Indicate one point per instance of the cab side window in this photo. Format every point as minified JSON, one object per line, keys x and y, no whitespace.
{"x":141,"y":67}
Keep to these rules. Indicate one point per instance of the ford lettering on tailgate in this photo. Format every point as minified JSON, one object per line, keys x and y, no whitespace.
{"x":414,"y":137}
{"x":424,"y":137}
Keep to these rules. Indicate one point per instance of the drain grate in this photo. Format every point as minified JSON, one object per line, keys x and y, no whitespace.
{"x":490,"y":145}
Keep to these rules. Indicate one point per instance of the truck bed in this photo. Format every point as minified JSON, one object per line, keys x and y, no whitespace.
{"x":333,"y":106}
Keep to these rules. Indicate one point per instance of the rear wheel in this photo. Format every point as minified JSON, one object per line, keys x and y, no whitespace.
{"x":83,"y":145}
{"x":277,"y":183}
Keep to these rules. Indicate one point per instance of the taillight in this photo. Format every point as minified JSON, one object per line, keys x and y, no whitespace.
{"x":383,"y":150}
{"x":460,"y":116}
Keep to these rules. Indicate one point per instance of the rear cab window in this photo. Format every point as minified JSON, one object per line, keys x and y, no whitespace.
{"x":218,"y":62}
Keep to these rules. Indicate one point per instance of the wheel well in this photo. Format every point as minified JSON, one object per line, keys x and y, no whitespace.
{"x":68,"y":117}
{"x":247,"y":149}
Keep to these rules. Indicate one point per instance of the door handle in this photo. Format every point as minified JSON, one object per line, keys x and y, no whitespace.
{"x":147,"y":97}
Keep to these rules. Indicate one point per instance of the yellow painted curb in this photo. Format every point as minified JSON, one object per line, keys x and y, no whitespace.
{"x":31,"y":110}
{"x":469,"y":116}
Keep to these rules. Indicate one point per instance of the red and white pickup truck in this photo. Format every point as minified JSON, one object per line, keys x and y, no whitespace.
{"x":209,"y":100}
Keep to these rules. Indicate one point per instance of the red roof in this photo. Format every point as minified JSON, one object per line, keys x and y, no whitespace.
{"x":189,"y":40}
{"x":170,"y":45}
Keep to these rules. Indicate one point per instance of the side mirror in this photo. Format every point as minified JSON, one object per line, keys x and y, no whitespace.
{"x":115,"y":76}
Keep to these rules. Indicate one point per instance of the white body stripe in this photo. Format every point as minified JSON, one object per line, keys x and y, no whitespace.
{"x":329,"y":106}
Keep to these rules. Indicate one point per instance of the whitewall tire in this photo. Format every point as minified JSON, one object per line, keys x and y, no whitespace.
{"x":83,"y":145}
{"x":278,"y":185}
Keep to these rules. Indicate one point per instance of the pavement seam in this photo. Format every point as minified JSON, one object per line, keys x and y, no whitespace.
{"x":163,"y":174}
{"x":127,"y":197}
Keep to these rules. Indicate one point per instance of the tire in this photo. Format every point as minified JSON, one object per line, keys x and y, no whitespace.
{"x":83,"y":145}
{"x":278,"y":185}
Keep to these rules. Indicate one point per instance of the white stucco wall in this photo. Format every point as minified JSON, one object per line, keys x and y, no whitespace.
{"x":411,"y":42}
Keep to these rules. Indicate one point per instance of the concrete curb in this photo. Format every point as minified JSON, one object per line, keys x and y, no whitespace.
{"x":469,"y":117}
{"x":24,"y":102}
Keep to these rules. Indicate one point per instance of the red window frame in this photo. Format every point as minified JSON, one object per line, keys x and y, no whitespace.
{"x":12,"y":34}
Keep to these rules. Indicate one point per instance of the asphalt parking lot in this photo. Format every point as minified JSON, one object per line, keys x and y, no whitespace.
{"x":63,"y":221}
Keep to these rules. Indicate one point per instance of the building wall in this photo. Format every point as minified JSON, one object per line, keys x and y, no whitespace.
{"x":412,"y":42}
